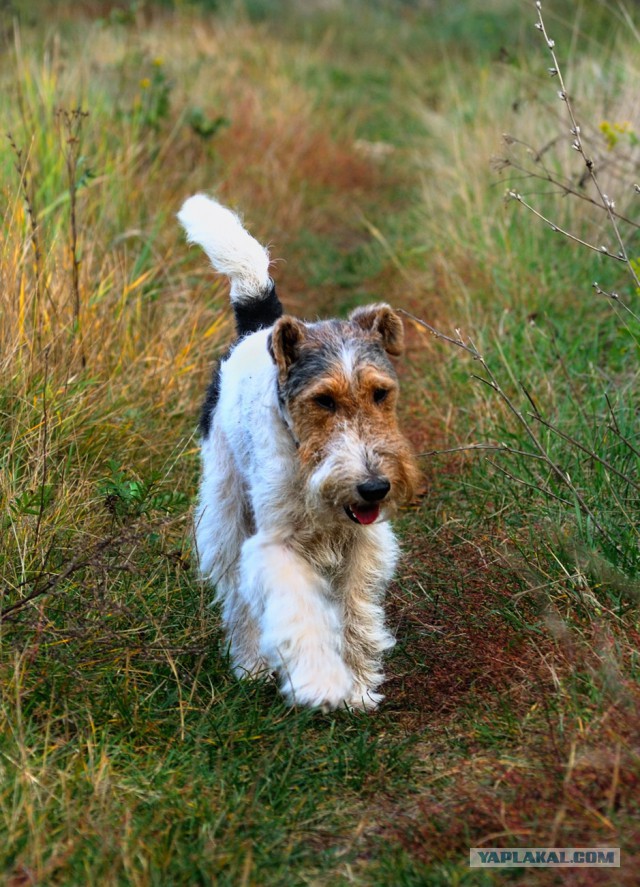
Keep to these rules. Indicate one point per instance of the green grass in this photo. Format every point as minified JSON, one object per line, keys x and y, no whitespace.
{"x":238,"y":783}
{"x":357,"y":139}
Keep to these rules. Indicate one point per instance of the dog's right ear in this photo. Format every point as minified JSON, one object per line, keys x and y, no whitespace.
{"x":284,"y":343}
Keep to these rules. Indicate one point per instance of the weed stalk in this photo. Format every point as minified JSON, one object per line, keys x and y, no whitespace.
{"x":71,"y":122}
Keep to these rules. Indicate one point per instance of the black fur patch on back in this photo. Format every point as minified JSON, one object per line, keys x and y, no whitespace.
{"x":250,"y":317}
{"x":258,"y":313}
{"x":210,"y":402}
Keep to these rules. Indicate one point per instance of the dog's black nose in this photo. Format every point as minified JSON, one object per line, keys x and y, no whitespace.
{"x":375,"y":489}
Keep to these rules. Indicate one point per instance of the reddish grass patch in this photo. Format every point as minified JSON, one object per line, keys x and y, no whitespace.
{"x":455,"y":647}
{"x":516,"y":751}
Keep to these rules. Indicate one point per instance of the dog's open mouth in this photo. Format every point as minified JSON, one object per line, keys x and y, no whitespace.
{"x":362,"y":514}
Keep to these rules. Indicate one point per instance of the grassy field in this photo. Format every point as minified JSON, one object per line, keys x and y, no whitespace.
{"x":364,"y":142}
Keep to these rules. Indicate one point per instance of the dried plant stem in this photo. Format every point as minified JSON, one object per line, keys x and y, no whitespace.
{"x":560,"y":473}
{"x":540,"y":453}
{"x":458,"y":342}
{"x":615,"y":428}
{"x":28,"y":193}
{"x":51,"y":584}
{"x":501,"y":447}
{"x":578,"y":145}
{"x":72,"y":122}
{"x":625,"y":440}
{"x":531,"y":486}
{"x":574,"y":443}
{"x":615,"y":297}
{"x":45,"y":449}
{"x":91,"y":557}
{"x":566,"y":186}
{"x":603,"y":250}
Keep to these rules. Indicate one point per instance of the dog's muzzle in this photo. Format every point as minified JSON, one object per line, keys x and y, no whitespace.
{"x":372,"y":492}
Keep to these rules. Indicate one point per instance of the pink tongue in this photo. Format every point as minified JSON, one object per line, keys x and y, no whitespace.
{"x":366,"y":514}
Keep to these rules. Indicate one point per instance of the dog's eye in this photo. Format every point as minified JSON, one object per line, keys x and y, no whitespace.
{"x":326,"y":402}
{"x":380,"y":394}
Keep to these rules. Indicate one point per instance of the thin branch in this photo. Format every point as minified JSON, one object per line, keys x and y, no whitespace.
{"x":45,"y":448}
{"x":624,"y":440}
{"x":614,"y":418}
{"x":502,"y":448}
{"x":53,"y":582}
{"x":458,"y":342}
{"x":86,"y":559}
{"x":560,"y":473}
{"x":615,"y":297}
{"x":579,"y":146}
{"x":603,"y":250}
{"x":538,"y":489}
{"x":564,"y":186}
{"x":492,"y":382}
{"x":28,"y":192}
{"x":72,"y":123}
{"x":632,"y":522}
{"x":530,"y":399}
{"x":585,"y":450}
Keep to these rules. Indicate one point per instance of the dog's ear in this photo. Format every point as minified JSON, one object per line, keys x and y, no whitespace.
{"x":383,"y":321}
{"x":284,"y":342}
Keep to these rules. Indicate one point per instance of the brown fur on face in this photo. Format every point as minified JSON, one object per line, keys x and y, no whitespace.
{"x":343,"y":414}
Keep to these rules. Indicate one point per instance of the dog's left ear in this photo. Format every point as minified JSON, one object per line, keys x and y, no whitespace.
{"x":383,"y":321}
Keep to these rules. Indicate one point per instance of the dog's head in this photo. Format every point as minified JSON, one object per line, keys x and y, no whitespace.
{"x":339,"y":392}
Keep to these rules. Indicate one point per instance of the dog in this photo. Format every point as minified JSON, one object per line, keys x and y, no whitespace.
{"x":303,"y":463}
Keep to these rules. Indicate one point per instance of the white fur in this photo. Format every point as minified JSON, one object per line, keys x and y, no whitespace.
{"x":231,"y":249}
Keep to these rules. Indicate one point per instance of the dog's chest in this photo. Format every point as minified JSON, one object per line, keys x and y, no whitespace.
{"x":330,"y":554}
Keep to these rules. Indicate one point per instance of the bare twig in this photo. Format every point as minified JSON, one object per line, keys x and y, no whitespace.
{"x":540,"y":452}
{"x":603,"y":250}
{"x":566,"y":187}
{"x":560,"y":473}
{"x":578,"y":145}
{"x":434,"y":332}
{"x":91,"y":557}
{"x":538,"y":489}
{"x":615,"y":297}
{"x":591,"y":453}
{"x":625,"y":440}
{"x":51,"y":585}
{"x":502,"y":448}
{"x":45,"y":448}
{"x":72,"y":122}
{"x":27,"y":188}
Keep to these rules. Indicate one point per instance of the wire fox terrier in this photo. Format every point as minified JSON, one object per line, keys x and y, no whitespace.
{"x":303,"y":464}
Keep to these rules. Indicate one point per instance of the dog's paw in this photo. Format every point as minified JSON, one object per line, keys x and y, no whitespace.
{"x":364,"y":699}
{"x":327,"y":684}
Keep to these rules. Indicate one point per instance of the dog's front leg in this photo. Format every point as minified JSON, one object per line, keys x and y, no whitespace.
{"x":370,"y":568}
{"x":300,"y":627}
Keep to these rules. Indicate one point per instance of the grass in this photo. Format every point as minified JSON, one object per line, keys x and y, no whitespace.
{"x":357,"y":140}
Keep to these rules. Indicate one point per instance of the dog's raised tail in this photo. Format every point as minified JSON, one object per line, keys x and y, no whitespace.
{"x":234,"y":252}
